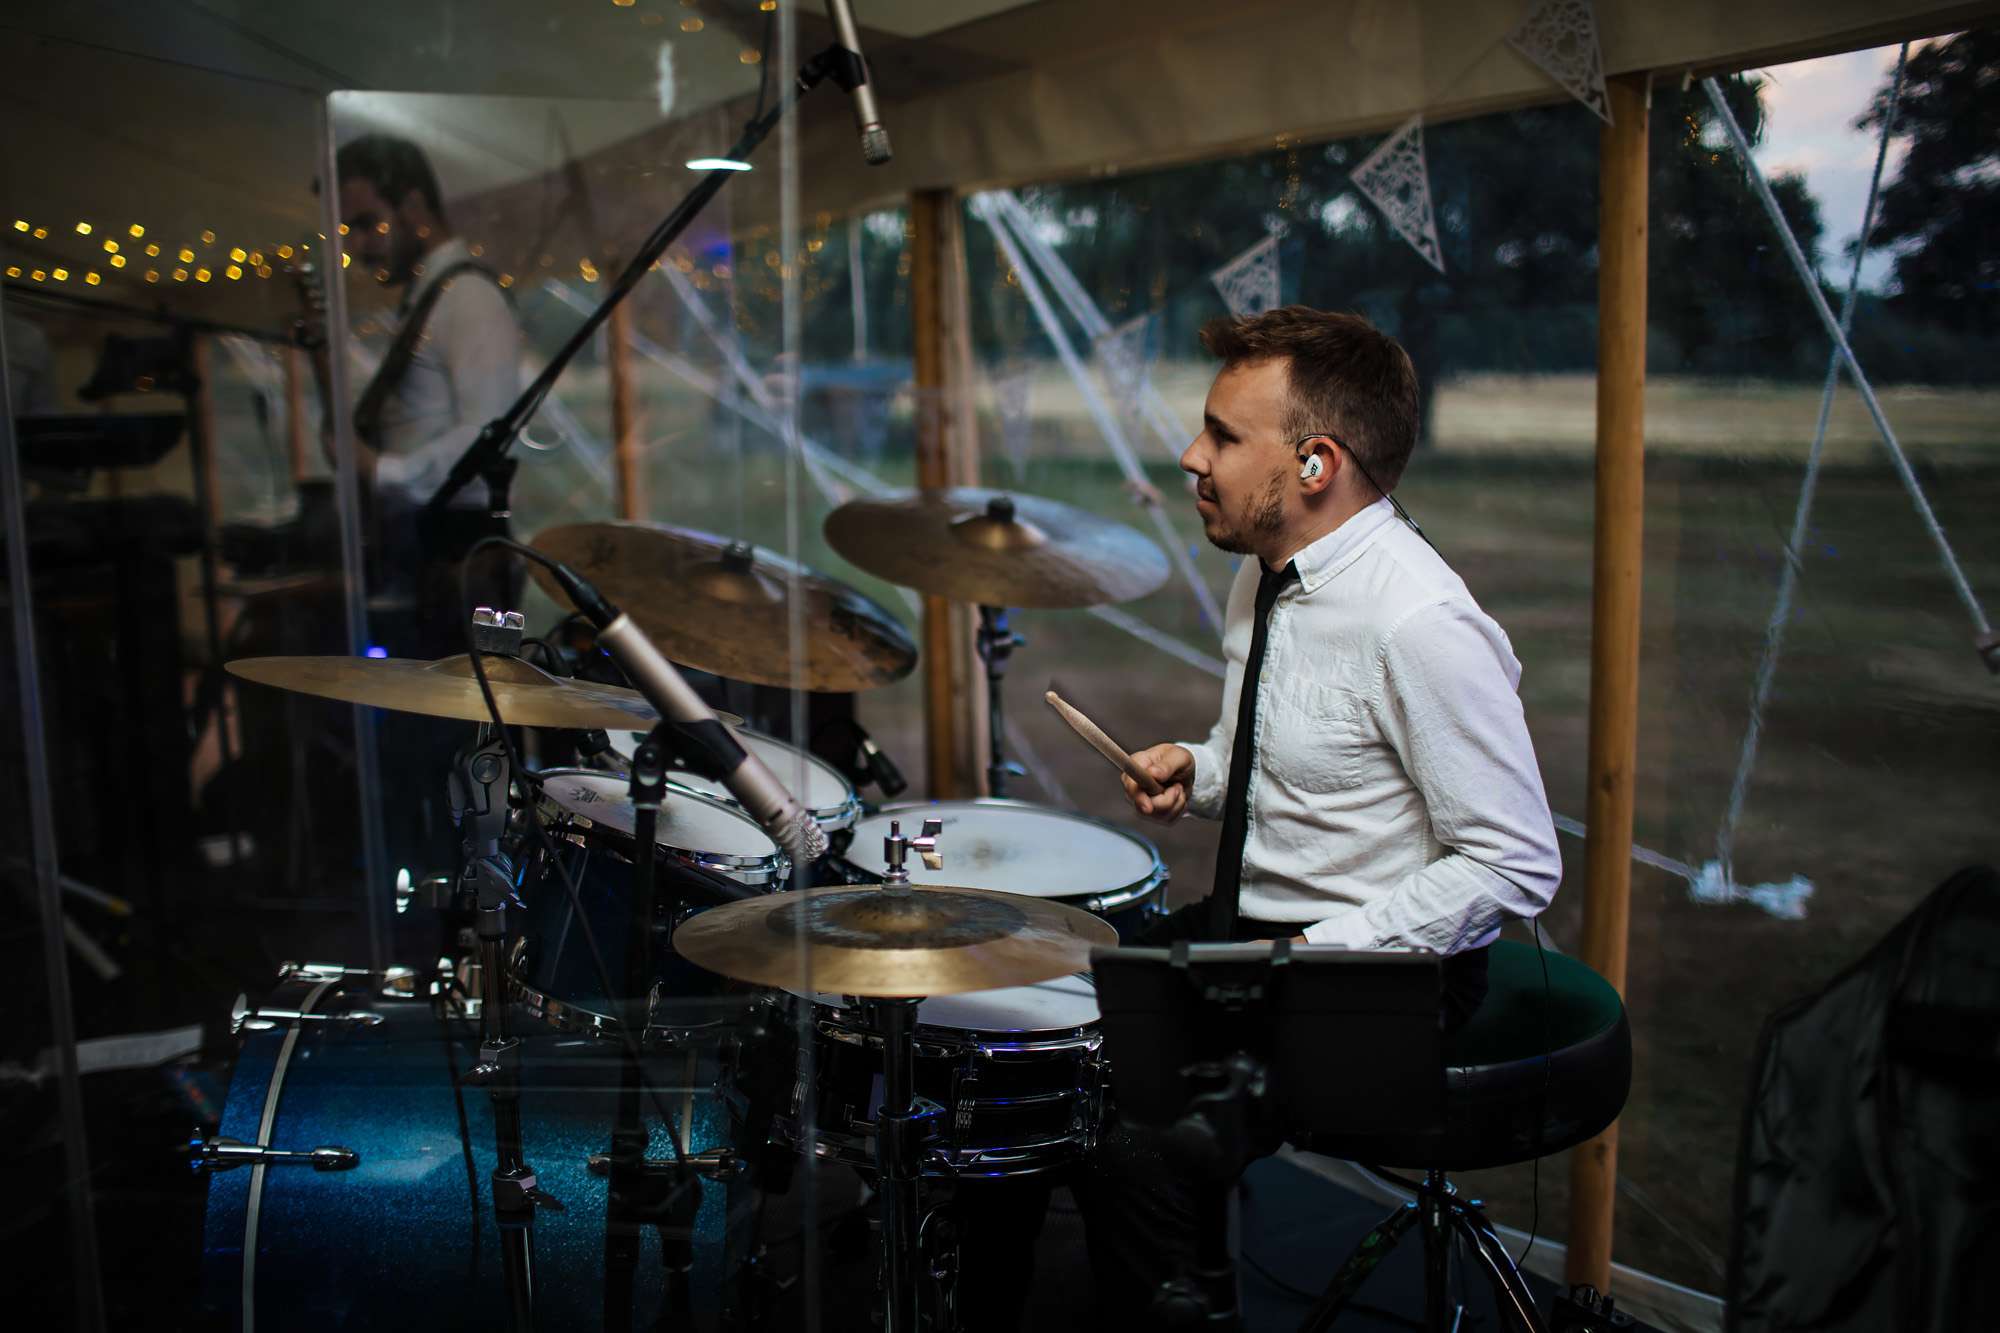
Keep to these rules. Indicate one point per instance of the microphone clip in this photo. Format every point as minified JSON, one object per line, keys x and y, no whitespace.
{"x":846,"y":68}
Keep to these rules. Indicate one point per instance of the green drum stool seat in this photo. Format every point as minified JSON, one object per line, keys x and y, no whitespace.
{"x":1541,"y":1067}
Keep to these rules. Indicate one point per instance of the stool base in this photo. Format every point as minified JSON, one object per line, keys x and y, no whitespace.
{"x":1445,"y":1218}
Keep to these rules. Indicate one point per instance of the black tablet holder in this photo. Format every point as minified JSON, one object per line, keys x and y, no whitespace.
{"x":1231,"y":1049}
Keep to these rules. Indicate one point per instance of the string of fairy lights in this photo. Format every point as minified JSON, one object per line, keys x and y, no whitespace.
{"x":143,"y":258}
{"x":135,"y":255}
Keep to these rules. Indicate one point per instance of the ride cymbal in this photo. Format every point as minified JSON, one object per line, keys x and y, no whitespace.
{"x":527,"y":695}
{"x":994,"y":549}
{"x":723,"y":606}
{"x":876,"y":941}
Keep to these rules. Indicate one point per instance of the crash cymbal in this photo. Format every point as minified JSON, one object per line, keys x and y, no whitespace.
{"x":528,"y":696}
{"x":722,"y":607}
{"x":922,"y":940}
{"x":996,"y":549}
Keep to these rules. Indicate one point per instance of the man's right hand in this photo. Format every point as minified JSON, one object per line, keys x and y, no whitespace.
{"x":1172,"y":766}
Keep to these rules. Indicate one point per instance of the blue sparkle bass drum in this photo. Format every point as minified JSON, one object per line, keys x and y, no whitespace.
{"x":351,"y":1177}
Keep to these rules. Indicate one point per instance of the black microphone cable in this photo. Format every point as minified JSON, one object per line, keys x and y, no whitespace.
{"x":625,"y":1037}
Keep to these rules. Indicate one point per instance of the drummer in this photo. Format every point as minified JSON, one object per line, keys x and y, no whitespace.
{"x":1375,"y":781}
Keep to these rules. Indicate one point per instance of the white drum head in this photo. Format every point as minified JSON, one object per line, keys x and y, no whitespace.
{"x":826,"y":792}
{"x":1014,"y":848}
{"x":1060,"y":1005}
{"x":1047,"y":1006}
{"x":688,"y":822}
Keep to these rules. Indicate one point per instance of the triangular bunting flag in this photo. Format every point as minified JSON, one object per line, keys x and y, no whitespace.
{"x":1396,"y":179}
{"x":1249,"y":282}
{"x":1560,"y":38}
{"x":1122,"y":354}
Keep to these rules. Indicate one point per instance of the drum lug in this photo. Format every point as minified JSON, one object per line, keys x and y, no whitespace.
{"x":244,"y":1018}
{"x":224,"y":1154}
{"x":964,"y":1097}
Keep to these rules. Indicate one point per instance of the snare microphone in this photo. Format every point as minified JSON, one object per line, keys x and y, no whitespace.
{"x":749,"y":781}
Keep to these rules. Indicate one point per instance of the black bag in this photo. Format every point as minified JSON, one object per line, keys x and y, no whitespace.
{"x":1868,"y":1180}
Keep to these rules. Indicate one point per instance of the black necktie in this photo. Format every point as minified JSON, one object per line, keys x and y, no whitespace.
{"x":1236,"y":804}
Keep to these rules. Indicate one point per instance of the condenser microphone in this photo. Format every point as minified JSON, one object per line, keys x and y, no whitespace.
{"x":850,"y":71}
{"x":754,"y":786}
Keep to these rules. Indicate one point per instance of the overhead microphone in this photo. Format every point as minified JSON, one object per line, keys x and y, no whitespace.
{"x":754,"y":786}
{"x":851,"y":73}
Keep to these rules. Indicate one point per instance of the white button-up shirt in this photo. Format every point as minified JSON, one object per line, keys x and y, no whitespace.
{"x":1394,"y":797}
{"x":466,"y":370}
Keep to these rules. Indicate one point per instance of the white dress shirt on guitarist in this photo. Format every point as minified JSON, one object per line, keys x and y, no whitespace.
{"x":466,"y":370}
{"x":1394,"y":797}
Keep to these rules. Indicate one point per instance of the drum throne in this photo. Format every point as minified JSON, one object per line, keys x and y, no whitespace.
{"x":1543,"y":1065}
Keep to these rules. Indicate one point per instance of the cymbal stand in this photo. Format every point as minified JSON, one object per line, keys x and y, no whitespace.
{"x":665,"y":1195}
{"x":479,"y":794}
{"x":896,"y":1122}
{"x":996,"y":643}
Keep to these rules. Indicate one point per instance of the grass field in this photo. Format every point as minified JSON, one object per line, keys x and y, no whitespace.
{"x":1876,"y":776}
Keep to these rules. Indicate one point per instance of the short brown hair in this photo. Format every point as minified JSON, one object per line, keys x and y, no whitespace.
{"x":1348,"y":379}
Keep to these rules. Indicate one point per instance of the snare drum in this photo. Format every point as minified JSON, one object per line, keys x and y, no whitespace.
{"x":825,"y":792}
{"x":1008,"y":1082}
{"x":591,"y":820}
{"x":1029,"y":849}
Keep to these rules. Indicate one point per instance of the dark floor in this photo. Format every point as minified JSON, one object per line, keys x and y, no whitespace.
{"x":1297,"y":1228}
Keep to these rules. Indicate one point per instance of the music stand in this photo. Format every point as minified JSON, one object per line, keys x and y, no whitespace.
{"x":1233,"y":1048}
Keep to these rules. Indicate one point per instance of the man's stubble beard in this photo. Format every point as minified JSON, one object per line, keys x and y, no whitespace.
{"x":1267,"y":516}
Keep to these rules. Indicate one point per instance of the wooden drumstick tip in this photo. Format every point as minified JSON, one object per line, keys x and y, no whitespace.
{"x":1094,"y":736}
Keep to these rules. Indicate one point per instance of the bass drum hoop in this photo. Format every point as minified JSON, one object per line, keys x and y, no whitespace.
{"x":1101,"y":902}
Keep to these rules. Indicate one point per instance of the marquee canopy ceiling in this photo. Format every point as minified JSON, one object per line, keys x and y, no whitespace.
{"x":202,"y":118}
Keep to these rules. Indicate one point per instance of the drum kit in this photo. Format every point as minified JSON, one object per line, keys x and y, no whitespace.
{"x":918,"y":1007}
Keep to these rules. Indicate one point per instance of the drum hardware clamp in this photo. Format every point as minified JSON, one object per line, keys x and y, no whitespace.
{"x":225,"y":1154}
{"x":500,"y":632}
{"x":244,"y":1018}
{"x":896,"y":849}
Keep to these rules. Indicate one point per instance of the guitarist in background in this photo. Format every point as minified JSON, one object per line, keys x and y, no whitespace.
{"x":453,"y":365}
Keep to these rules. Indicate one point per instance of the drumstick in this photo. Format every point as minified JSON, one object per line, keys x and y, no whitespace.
{"x":1104,"y":745}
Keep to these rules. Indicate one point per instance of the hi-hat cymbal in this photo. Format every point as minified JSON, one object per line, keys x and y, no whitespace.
{"x":995,"y":549}
{"x":723,"y":606}
{"x":528,"y":696}
{"x":923,"y":940}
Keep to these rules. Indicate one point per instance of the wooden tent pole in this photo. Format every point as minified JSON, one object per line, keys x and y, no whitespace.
{"x":1617,"y":565}
{"x":947,"y":455}
{"x":624,"y":413}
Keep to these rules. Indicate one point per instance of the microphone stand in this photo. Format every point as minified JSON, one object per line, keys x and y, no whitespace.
{"x":488,"y":457}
